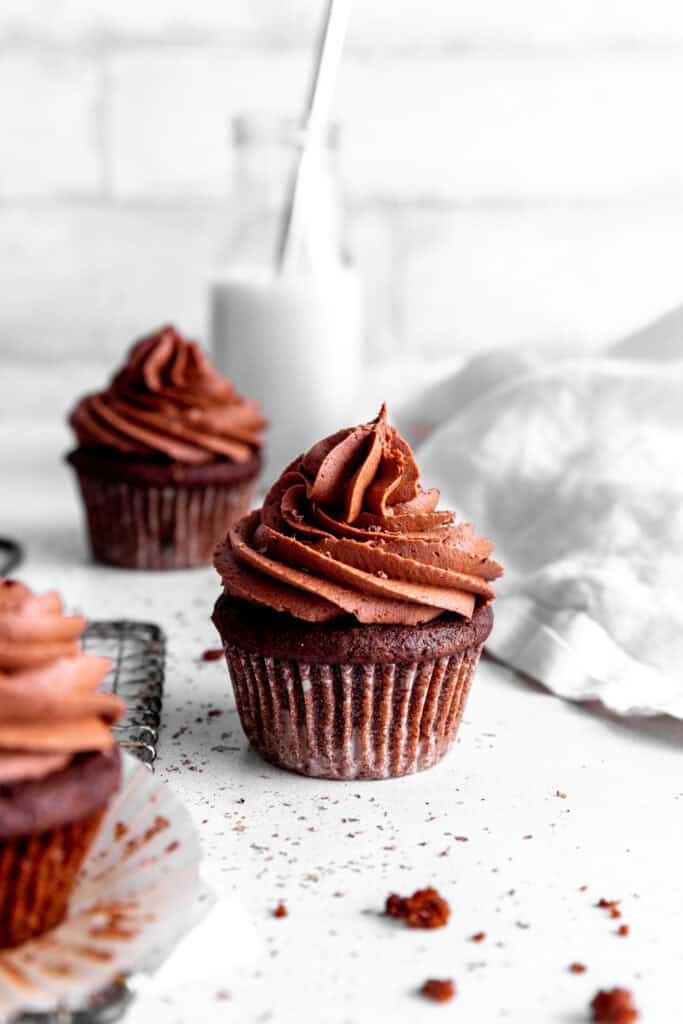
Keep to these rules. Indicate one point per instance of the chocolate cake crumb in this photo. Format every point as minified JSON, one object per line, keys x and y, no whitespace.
{"x":614,"y":1007}
{"x":577,"y":968}
{"x":439,"y":990}
{"x":280,"y":910}
{"x":611,"y":905}
{"x":623,"y":930}
{"x":479,"y":937}
{"x":212,"y":654}
{"x":424,"y":909}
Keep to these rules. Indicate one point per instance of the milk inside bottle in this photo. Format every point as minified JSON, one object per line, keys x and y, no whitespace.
{"x":293,"y":340}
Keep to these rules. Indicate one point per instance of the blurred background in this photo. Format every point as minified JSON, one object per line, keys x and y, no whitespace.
{"x":512,"y":172}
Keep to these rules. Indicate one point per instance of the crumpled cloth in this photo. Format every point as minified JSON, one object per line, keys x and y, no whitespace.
{"x":574,"y":467}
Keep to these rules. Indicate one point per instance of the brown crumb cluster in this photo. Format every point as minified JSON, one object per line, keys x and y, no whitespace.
{"x":424,"y":909}
{"x":614,"y":1007}
{"x":439,"y":990}
{"x":611,"y":905}
{"x":280,"y":910}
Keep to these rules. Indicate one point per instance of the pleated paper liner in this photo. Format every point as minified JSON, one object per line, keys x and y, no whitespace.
{"x":139,"y":527}
{"x":137,"y":893}
{"x":37,"y":875}
{"x":351,"y":721}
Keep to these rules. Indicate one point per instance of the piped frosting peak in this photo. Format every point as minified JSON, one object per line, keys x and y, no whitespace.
{"x":348,"y":529}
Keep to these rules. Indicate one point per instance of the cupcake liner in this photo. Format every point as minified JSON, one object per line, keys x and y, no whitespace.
{"x":138,"y":891}
{"x":37,"y":875}
{"x":351,"y":721}
{"x":137,"y":526}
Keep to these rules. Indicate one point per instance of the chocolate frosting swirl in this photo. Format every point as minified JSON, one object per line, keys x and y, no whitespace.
{"x":347,"y":529}
{"x":169,"y":402}
{"x":50,"y":707}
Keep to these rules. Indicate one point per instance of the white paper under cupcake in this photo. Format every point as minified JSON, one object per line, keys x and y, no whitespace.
{"x":138,"y":892}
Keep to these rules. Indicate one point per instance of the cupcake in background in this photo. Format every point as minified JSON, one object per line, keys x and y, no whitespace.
{"x":59,"y":764}
{"x":354,"y":612}
{"x":167,"y":459}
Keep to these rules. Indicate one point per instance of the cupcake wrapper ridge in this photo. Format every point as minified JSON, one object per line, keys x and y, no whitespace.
{"x":351,"y":721}
{"x":172,"y":527}
{"x":37,"y":875}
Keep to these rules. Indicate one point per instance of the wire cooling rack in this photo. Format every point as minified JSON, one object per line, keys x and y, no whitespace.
{"x":11,"y":556}
{"x":138,"y":654}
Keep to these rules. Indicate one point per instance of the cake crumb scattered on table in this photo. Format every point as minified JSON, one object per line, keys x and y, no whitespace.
{"x":439,"y":990}
{"x":577,"y":968}
{"x":424,"y":909}
{"x":280,"y":910}
{"x":623,"y":930}
{"x":611,"y":905}
{"x":212,"y":654}
{"x":614,"y":1007}
{"x":479,"y":937}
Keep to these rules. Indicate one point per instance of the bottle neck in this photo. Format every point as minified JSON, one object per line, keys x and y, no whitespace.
{"x":264,"y":165}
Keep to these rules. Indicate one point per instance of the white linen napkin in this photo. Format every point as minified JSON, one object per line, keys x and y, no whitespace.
{"x":574,"y":467}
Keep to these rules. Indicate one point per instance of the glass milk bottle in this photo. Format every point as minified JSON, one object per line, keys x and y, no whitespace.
{"x":293,"y":340}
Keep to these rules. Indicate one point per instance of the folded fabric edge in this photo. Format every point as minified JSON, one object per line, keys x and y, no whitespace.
{"x":575,"y":657}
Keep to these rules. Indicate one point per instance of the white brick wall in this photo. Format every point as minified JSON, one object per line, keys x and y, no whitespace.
{"x":396,"y":24}
{"x":48,"y":125}
{"x":169,"y":114}
{"x":515,"y":170}
{"x":579,"y":274}
{"x":98,"y":274}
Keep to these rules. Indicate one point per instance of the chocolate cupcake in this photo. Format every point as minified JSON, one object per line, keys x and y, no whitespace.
{"x":354,"y":612}
{"x":168,"y":457}
{"x":59,"y":764}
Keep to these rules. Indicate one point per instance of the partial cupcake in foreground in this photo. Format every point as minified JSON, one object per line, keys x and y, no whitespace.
{"x":59,"y":764}
{"x":354,"y":612}
{"x":168,"y":457}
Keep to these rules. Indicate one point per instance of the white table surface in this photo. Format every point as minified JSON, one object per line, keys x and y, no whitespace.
{"x":333,"y":851}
